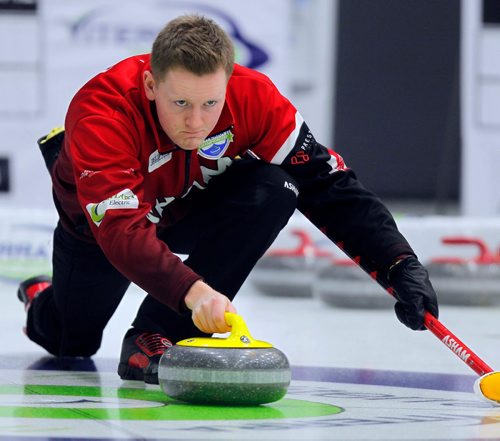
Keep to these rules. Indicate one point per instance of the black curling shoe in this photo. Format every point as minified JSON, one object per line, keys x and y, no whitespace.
{"x":140,"y":356}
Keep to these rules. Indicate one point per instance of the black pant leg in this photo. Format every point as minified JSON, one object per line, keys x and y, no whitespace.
{"x":68,"y":318}
{"x":240,"y":215}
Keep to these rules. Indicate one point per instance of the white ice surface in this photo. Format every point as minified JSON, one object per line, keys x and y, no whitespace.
{"x":310,"y":333}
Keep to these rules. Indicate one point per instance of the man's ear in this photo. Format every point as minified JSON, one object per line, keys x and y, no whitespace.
{"x":149,"y":85}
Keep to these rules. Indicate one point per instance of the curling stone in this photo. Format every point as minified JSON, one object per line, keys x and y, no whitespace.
{"x":466,"y":281}
{"x":344,"y":284}
{"x":292,"y":272}
{"x":237,"y":370}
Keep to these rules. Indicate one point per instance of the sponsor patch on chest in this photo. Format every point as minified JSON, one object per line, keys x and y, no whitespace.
{"x":215,"y":146}
{"x":157,"y":159}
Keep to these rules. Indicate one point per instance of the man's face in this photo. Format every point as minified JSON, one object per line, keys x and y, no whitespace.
{"x":188,"y":105}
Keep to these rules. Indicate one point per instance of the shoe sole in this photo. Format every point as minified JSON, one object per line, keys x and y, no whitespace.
{"x":136,"y":374}
{"x":129,"y":373}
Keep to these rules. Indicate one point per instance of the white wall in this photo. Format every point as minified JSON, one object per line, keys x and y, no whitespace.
{"x":480,"y":113}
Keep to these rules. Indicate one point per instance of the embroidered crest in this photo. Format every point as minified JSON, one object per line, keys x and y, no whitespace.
{"x":215,"y":146}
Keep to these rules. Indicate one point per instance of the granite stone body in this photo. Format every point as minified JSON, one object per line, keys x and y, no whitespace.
{"x":227,"y":376}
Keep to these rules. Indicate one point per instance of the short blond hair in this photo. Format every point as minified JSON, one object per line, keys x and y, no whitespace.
{"x":192,"y":42}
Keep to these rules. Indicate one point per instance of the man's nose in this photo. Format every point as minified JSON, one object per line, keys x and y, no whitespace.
{"x":194,"y":119}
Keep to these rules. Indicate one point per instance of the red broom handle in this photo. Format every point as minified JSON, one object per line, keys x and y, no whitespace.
{"x":452,"y":342}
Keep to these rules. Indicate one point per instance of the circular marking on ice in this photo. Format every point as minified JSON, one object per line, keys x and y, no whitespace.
{"x":108,"y":403}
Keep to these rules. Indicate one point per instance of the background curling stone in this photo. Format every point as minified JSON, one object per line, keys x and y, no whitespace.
{"x":290,"y":272}
{"x":237,"y":371}
{"x":344,"y":284}
{"x":466,"y":281}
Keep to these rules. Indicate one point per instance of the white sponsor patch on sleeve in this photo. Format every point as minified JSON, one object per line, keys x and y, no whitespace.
{"x":124,"y":199}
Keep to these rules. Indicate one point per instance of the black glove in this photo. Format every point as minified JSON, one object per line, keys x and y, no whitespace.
{"x":413,"y":291}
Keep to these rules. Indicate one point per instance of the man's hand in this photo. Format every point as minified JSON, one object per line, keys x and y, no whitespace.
{"x":414,"y":293}
{"x":208,"y":307}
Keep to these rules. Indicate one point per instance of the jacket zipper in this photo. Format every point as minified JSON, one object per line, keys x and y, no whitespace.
{"x":187,"y":166}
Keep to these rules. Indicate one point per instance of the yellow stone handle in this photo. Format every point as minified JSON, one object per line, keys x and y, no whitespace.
{"x":239,"y":337}
{"x":238,"y":325}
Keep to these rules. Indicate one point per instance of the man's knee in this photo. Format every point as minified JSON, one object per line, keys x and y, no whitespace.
{"x":276,"y":192}
{"x":79,"y":344}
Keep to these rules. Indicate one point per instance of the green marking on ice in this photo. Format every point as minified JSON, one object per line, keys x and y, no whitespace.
{"x":107,"y":403}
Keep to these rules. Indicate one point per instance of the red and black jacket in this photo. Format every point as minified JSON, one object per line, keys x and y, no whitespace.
{"x":118,"y":176}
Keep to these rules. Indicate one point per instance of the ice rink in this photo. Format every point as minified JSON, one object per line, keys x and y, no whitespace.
{"x":409,"y":95}
{"x":356,"y":375}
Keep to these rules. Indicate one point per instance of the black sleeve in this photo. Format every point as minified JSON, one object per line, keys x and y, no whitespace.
{"x":336,"y":202}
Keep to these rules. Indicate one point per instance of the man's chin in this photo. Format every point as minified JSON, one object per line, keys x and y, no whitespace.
{"x":190,"y":145}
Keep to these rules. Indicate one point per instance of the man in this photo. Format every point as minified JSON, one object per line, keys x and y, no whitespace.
{"x":185,"y":152}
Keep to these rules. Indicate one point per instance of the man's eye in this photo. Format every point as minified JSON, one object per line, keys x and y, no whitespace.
{"x":181,"y":103}
{"x":211,"y":103}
